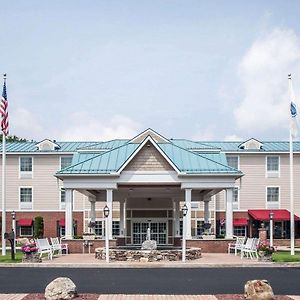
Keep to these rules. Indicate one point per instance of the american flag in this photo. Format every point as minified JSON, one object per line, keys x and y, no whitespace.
{"x":3,"y":110}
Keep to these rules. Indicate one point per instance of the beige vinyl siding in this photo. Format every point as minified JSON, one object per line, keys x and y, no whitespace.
{"x":253,"y":184}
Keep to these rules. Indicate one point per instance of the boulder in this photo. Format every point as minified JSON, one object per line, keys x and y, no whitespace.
{"x":258,"y":290}
{"x":61,"y":288}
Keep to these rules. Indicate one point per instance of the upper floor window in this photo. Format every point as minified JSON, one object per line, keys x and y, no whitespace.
{"x":65,"y":161}
{"x":273,"y":166}
{"x":62,"y":199}
{"x":233,"y":161}
{"x":26,"y":197}
{"x":26,"y":167}
{"x":273,"y":194}
{"x":235,"y":200}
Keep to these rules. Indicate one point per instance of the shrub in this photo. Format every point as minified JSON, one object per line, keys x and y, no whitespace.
{"x":38,"y":227}
{"x":265,"y":247}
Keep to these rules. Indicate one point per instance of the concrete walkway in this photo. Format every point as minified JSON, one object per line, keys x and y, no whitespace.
{"x":208,"y":260}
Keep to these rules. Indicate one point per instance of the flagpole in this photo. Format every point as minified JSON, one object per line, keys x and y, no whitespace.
{"x":3,"y":189}
{"x":292,"y":221}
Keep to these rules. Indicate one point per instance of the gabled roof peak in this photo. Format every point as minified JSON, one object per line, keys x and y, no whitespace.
{"x":158,"y":138}
{"x":47,"y":145}
{"x":251,"y":144}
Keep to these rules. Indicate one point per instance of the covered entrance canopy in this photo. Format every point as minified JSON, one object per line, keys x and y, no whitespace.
{"x":149,"y":176}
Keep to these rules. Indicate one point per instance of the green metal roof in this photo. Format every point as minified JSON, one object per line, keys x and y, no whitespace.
{"x":184,"y":160}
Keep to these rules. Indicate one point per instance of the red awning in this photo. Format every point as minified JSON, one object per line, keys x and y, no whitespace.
{"x":264,"y":214}
{"x":62,"y":222}
{"x":240,"y":222}
{"x":25,"y":222}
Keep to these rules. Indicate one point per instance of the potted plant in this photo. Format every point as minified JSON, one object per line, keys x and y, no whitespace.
{"x":265,"y":251}
{"x":88,"y":236}
{"x":30,"y":252}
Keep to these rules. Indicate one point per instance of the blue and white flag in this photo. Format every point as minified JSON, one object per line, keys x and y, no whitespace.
{"x":294,"y":112}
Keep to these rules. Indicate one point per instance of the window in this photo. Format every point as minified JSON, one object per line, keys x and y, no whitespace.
{"x":26,"y":198}
{"x":235,"y":199}
{"x":62,"y":199}
{"x":272,"y":197}
{"x":115,"y":228}
{"x":200,"y":227}
{"x":180,"y":227}
{"x":99,"y":228}
{"x":272,"y":166}
{"x":65,"y":161}
{"x":26,"y":231}
{"x":239,"y":230}
{"x":62,"y":231}
{"x":25,"y":167}
{"x":233,"y":161}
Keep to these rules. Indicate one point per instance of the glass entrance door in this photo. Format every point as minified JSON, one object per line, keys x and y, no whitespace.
{"x":158,"y":232}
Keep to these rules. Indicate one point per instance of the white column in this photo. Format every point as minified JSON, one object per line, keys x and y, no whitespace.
{"x":206,"y":211}
{"x":69,"y":214}
{"x":188,"y":202}
{"x":176,"y":204}
{"x":93,"y":214}
{"x":122,"y":217}
{"x":229,"y":214}
{"x":109,"y":200}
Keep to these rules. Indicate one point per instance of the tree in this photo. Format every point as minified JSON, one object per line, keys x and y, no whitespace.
{"x":13,"y":138}
{"x":38,"y":227}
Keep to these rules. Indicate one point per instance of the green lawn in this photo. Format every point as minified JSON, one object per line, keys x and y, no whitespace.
{"x":7,"y":257}
{"x":282,"y":256}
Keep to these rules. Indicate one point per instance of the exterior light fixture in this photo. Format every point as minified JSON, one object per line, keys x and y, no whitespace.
{"x":184,"y":210}
{"x":106,"y":211}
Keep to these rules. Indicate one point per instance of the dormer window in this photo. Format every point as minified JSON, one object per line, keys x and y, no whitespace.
{"x":47,"y":145}
{"x":251,"y":144}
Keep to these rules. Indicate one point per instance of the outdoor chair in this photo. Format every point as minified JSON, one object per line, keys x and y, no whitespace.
{"x":58,"y":246}
{"x":250,"y":248}
{"x":44,"y":247}
{"x":237,"y":246}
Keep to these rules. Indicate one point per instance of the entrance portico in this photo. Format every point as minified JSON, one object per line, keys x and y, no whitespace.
{"x":150,"y":178}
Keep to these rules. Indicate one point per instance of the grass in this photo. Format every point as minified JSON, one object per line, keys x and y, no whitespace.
{"x":282,"y":256}
{"x":7,"y":257}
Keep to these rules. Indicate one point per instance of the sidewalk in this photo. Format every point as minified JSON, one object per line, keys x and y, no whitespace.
{"x":89,"y":261}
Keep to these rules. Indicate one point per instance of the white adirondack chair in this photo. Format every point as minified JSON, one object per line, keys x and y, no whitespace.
{"x":44,"y":247}
{"x":59,"y":247}
{"x":237,"y":246}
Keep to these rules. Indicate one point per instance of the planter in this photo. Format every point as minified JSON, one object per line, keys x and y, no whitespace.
{"x":262,"y":256}
{"x":31,"y":258}
{"x":208,"y":236}
{"x":88,"y":237}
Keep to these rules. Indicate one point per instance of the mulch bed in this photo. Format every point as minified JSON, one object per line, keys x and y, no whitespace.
{"x":80,"y":297}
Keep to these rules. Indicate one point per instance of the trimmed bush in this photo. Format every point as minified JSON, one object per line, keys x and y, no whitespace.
{"x":38,"y":227}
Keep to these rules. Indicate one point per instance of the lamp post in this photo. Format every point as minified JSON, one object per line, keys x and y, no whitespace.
{"x":184,"y":213}
{"x":13,"y":218}
{"x":271,"y":215}
{"x":106,"y":214}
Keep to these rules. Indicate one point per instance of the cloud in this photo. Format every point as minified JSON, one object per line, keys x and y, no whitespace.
{"x":85,"y":127}
{"x":233,"y":138}
{"x":263,"y":76}
{"x":204,"y":134}
{"x":25,"y":124}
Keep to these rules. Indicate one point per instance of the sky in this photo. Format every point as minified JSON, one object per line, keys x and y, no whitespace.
{"x":100,"y":70}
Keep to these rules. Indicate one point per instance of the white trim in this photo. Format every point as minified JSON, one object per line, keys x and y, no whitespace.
{"x":53,"y":144}
{"x":149,"y":131}
{"x":26,"y":187}
{"x":63,"y":208}
{"x":251,"y":140}
{"x":266,"y":197}
{"x":26,"y":174}
{"x":272,"y":174}
{"x":238,"y":202}
{"x":137,"y":150}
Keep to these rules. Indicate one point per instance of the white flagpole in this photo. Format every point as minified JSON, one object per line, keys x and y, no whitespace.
{"x":292,"y":221}
{"x":3,"y":193}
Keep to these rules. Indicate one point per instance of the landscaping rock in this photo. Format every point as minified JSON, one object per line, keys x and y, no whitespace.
{"x":258,"y":290}
{"x":61,"y":288}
